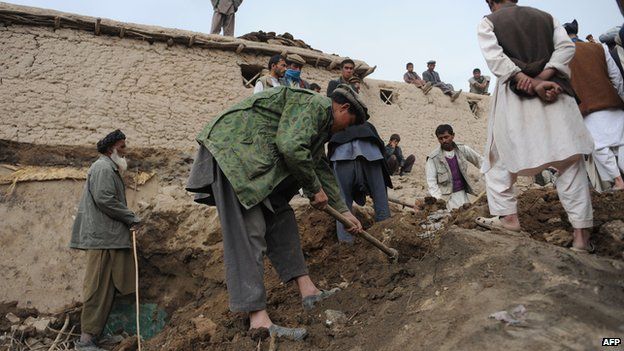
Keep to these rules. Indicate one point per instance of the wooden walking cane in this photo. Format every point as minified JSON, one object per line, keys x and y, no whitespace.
{"x":136,"y":281}
{"x":392,"y":253}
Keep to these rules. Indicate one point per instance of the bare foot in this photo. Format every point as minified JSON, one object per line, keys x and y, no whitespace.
{"x":581,"y":239}
{"x":259,"y":319}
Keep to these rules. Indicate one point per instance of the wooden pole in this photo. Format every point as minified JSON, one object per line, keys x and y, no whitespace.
{"x":398,"y":201}
{"x":392,"y":253}
{"x":136,"y":282}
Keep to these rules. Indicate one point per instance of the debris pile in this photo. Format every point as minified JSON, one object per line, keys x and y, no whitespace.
{"x":285,"y":39}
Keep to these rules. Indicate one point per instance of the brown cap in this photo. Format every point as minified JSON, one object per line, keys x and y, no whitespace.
{"x":345,"y":90}
{"x":294,"y":58}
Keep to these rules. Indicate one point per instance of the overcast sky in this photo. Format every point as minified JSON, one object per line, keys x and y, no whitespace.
{"x":383,"y":33}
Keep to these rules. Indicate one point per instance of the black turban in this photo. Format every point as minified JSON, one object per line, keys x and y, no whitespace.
{"x":105,"y":144}
{"x":361,"y":111}
{"x":571,"y":28}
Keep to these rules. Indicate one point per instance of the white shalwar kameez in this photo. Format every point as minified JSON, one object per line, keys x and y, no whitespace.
{"x":607,"y":128}
{"x":526,"y":136}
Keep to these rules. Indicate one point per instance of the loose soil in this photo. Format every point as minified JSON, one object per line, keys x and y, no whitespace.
{"x":437,"y":297}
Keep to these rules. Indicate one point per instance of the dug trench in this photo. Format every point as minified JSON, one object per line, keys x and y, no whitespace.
{"x":438,"y":296}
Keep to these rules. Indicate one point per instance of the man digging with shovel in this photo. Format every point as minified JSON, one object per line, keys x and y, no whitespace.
{"x":252,"y":159}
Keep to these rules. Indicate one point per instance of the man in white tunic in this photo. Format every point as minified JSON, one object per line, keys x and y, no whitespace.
{"x":598,"y":83}
{"x":535,"y":122}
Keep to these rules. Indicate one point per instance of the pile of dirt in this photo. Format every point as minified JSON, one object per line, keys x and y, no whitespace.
{"x":441,"y":293}
{"x":543,"y":218}
{"x":363,"y":273}
{"x":285,"y":39}
{"x":448,"y":281}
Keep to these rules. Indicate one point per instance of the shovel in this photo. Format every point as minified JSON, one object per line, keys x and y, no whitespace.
{"x":392,"y":253}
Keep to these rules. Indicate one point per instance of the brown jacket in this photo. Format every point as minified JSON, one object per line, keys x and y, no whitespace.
{"x":526,"y":36}
{"x":590,"y":79}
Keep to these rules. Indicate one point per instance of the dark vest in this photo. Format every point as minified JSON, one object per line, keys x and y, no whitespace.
{"x":526,"y":36}
{"x":590,"y":79}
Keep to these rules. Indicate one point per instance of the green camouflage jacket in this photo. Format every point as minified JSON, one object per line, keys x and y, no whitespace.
{"x":273,"y":134}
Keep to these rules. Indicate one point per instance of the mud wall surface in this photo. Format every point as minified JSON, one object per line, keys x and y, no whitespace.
{"x":70,"y":87}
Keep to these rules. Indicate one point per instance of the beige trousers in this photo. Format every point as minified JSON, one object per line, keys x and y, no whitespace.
{"x":221,"y":20}
{"x":572,"y":187}
{"x":108,"y":272}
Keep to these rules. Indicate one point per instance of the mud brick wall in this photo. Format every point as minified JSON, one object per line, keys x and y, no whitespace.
{"x":72,"y":87}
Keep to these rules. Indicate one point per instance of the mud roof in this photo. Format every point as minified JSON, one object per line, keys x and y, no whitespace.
{"x":11,"y":14}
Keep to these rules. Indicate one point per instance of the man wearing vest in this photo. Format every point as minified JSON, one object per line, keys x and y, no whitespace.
{"x":535,"y":121}
{"x":447,"y":168}
{"x":275,"y":78}
{"x":598,"y":83}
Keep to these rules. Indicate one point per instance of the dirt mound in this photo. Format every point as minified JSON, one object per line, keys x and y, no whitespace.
{"x":285,"y":39}
{"x":441,"y":293}
{"x":543,"y":218}
{"x":450,"y":278}
{"x":364,"y":273}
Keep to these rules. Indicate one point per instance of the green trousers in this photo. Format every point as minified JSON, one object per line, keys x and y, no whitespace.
{"x":108,"y":272}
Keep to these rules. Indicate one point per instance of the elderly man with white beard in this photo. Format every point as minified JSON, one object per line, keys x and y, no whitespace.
{"x":102,"y":228}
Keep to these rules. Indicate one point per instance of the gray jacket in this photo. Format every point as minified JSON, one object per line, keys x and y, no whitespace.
{"x":103,"y":219}
{"x":432,"y":77}
{"x":226,"y":7}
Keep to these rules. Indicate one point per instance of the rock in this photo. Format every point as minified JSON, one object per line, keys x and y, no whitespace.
{"x":559,"y":237}
{"x":128,"y":344}
{"x":335,"y":318}
{"x":204,"y":327}
{"x":614,"y":229}
{"x":40,"y":324}
{"x":12,"y":318}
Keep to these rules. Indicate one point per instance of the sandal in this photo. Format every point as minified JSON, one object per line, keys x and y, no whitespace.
{"x":591,"y":249}
{"x":494,"y":223}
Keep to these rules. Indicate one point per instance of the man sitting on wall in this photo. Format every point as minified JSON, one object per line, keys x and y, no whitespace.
{"x":275,"y":78}
{"x":411,"y":77}
{"x":447,"y":168}
{"x":394,"y":157}
{"x":479,"y":84}
{"x":431,"y":76}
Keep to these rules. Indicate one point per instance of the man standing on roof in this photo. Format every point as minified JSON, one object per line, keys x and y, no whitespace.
{"x":253,"y":159}
{"x":223,"y":17}
{"x":535,"y":122}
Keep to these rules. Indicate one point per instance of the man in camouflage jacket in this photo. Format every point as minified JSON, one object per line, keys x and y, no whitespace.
{"x":253,"y":159}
